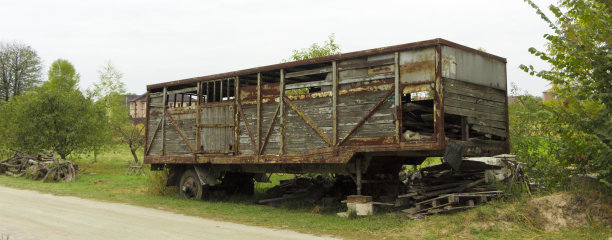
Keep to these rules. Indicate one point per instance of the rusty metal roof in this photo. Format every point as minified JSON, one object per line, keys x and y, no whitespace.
{"x":401,"y":47}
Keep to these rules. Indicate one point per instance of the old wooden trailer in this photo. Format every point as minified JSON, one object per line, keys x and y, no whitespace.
{"x":361,"y":114}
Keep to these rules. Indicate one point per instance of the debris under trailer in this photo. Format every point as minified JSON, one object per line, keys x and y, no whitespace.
{"x":361,"y":115}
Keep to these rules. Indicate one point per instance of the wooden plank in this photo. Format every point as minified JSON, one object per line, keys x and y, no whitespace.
{"x":366,"y":64}
{"x":382,"y":100}
{"x":215,"y":125}
{"x":473,"y":90}
{"x":236,"y":123}
{"x":308,"y":121}
{"x":398,"y":99}
{"x":258,"y":113}
{"x":486,"y":122}
{"x":335,"y":103}
{"x":475,"y":107}
{"x":308,"y":72}
{"x":246,"y":125}
{"x":269,"y":130}
{"x":471,"y":113}
{"x":148,"y":149}
{"x":179,"y":131}
{"x":490,"y":130}
{"x":463,"y":98}
{"x":198,"y":117}
{"x":164,"y":108}
{"x":282,"y":112}
{"x":308,"y":84}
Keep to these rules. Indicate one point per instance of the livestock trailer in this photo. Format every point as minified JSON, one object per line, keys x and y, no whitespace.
{"x":361,"y":114}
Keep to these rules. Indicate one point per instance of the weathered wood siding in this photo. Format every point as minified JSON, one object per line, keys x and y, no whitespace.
{"x":216,"y":128}
{"x":484,"y":107}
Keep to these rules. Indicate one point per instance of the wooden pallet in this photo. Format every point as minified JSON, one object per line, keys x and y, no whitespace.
{"x":452,"y":201}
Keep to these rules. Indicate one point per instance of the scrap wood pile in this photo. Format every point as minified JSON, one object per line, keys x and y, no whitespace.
{"x":317,"y":189}
{"x":440,"y":188}
{"x":42,"y":166}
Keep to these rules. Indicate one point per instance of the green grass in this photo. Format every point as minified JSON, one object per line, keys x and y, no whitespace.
{"x":105,"y":181}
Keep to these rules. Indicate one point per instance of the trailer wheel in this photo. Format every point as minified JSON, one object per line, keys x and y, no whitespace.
{"x":190,"y":187}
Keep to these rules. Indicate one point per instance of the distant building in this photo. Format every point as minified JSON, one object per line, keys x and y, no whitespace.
{"x":547,"y":95}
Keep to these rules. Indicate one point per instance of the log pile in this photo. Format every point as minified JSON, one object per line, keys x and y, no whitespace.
{"x":43,"y":166}
{"x":439,"y":188}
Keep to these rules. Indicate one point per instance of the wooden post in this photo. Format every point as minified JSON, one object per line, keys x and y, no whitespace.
{"x":221,"y":91}
{"x":198,"y":100}
{"x":334,"y":103}
{"x":258,"y":114}
{"x":398,"y":100}
{"x":165,"y":106}
{"x":282,"y":111}
{"x":236,"y":114}
{"x":465,"y":129}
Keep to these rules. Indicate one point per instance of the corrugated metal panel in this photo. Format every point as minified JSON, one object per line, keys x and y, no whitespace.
{"x":470,"y":67}
{"x":418,"y":65}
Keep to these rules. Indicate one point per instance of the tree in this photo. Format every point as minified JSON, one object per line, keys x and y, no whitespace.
{"x":315,"y":50}
{"x":579,"y":51}
{"x":55,"y":116}
{"x":110,"y":92}
{"x":20,"y":69}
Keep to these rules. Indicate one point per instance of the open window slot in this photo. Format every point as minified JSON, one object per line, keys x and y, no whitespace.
{"x":417,"y":115}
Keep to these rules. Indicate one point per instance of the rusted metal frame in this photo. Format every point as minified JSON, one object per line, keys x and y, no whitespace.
{"x":334,"y":103}
{"x":198,"y":117}
{"x":398,"y":99}
{"x":179,"y":131}
{"x":368,"y":115}
{"x":246,"y":125}
{"x":164,"y":108}
{"x":259,"y":116}
{"x":281,"y":105}
{"x":369,"y":52}
{"x":147,"y":110}
{"x":236,"y":122}
{"x":148,"y":146}
{"x":439,"y":100}
{"x":265,"y":142}
{"x":308,"y":121}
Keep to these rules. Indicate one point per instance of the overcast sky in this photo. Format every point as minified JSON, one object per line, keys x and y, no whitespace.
{"x":159,"y":41}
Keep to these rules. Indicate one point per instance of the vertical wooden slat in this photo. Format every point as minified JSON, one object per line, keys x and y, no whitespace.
{"x":334,"y":103}
{"x":282,"y":112}
{"x":147,"y":109}
{"x":214,"y":98}
{"x":165,"y":99}
{"x":207,"y":93}
{"x":236,"y":121}
{"x":221,"y":90}
{"x":198,"y":117}
{"x":258,"y":112}
{"x":227,"y":87}
{"x":398,"y":100}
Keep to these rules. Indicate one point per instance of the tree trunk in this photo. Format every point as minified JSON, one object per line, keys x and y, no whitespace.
{"x":134,"y":153}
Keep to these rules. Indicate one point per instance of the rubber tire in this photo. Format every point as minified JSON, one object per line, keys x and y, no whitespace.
{"x":190,"y":181}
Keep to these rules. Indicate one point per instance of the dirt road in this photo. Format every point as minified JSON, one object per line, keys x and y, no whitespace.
{"x":31,"y":215}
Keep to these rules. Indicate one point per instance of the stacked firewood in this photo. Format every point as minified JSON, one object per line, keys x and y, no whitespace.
{"x":440,"y":188}
{"x":43,"y":166}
